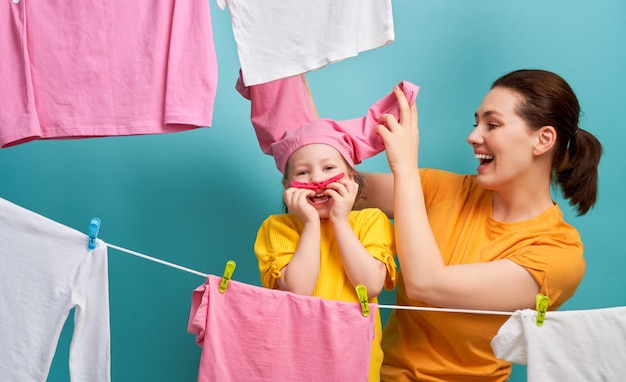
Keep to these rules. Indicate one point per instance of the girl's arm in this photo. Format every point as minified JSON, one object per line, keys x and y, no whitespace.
{"x":359,"y":265}
{"x":301,"y":274}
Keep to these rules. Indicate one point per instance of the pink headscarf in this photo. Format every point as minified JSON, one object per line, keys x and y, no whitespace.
{"x":284,"y":120}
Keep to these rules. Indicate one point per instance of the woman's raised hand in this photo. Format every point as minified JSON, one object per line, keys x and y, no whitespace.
{"x":401,"y":137}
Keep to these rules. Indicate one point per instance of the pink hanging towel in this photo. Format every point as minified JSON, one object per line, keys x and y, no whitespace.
{"x":77,"y":69}
{"x":249,"y":333}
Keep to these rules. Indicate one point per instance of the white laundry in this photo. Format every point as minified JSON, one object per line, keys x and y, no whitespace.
{"x":279,"y":39}
{"x":46,"y":270}
{"x":575,"y":345}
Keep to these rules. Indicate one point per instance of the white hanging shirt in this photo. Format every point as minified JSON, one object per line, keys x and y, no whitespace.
{"x":572,"y":346}
{"x":46,"y":270}
{"x":278,"y":39}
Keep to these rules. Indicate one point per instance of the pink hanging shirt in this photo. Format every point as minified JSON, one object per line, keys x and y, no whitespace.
{"x":249,"y":333}
{"x":75,"y":69}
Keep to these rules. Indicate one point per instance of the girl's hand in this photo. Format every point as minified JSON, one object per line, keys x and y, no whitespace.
{"x":297,"y":202}
{"x":343,"y":194}
{"x":401,"y":138}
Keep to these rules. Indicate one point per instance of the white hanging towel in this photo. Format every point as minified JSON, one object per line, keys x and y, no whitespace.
{"x":279,"y":39}
{"x":575,"y":345}
{"x":46,"y":270}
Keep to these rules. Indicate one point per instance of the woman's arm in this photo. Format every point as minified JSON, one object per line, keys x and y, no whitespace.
{"x":378,"y":192}
{"x":497,"y":285}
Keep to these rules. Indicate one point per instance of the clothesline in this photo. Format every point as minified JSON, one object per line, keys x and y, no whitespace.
{"x":380,"y":306}
{"x":157,"y":260}
{"x":471,"y":311}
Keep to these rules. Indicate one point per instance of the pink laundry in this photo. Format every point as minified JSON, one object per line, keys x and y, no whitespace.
{"x":283,"y":117}
{"x":92,"y":68}
{"x":249,"y":333}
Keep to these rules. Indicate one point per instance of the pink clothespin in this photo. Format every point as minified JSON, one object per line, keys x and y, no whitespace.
{"x":317,"y":186}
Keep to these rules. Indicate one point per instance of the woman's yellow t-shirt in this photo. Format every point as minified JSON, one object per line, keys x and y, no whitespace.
{"x":437,"y":346}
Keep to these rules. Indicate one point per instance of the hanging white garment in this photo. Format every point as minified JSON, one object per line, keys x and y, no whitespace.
{"x":575,"y":345}
{"x":46,"y":270}
{"x":279,"y":39}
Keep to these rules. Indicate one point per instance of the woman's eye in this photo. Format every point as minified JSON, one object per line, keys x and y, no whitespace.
{"x":491,"y":126}
{"x":475,"y":124}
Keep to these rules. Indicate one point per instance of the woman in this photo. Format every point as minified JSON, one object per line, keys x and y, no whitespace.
{"x":489,"y":241}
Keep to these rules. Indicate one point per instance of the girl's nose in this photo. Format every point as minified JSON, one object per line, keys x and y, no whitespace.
{"x":317,"y":177}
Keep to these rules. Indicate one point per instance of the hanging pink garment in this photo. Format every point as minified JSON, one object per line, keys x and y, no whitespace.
{"x":249,"y":333}
{"x":76,"y":69}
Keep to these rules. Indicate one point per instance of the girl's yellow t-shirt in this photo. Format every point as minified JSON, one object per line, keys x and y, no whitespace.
{"x":278,"y":238}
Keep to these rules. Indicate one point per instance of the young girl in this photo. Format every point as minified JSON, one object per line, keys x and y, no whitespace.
{"x":322,"y":247}
{"x":489,"y":241}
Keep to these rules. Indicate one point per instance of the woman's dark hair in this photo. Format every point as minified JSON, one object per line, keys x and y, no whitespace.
{"x":548,"y":100}
{"x":358,"y":202}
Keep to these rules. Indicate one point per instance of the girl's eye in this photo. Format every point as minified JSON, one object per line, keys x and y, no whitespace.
{"x":303,"y":172}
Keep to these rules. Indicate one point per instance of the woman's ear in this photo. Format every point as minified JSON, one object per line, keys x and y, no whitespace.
{"x":546,"y":140}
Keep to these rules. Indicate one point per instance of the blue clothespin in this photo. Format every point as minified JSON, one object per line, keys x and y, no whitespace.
{"x":361,"y":291}
{"x":542,"y":307}
{"x":228,"y":274}
{"x":94,"y":227}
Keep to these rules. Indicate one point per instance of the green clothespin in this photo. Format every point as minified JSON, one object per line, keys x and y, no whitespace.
{"x":361,"y":291}
{"x":228,"y":274}
{"x":542,"y":307}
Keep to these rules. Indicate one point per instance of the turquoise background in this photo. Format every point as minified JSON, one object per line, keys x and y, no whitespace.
{"x":196,"y":198}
